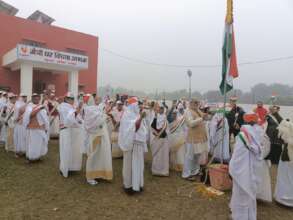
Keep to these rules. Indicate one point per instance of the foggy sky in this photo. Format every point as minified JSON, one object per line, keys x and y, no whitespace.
{"x":181,"y":32}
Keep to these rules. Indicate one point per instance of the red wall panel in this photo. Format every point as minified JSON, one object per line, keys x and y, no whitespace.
{"x":14,"y":29}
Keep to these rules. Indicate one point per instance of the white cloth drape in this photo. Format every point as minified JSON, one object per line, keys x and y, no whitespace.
{"x":99,"y":161}
{"x":242,"y":168}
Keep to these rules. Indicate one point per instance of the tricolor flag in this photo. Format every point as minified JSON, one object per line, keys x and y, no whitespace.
{"x":229,"y":61}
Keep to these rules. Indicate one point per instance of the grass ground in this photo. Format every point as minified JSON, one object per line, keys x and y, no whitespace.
{"x":37,"y":191}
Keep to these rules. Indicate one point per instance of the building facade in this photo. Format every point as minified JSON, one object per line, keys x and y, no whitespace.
{"x":37,"y":56}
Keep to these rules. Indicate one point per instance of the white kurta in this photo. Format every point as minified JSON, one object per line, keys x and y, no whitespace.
{"x":70,"y":139}
{"x":37,"y":139}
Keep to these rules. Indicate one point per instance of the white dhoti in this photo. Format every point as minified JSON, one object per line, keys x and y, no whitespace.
{"x":37,"y":144}
{"x":284,"y":185}
{"x":20,"y":138}
{"x":195,"y":155}
{"x":264,"y":188}
{"x":70,"y":155}
{"x":133,"y":167}
{"x":99,"y":161}
{"x":160,"y":153}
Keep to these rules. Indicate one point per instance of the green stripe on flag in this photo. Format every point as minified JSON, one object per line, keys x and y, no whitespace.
{"x":226,"y":55}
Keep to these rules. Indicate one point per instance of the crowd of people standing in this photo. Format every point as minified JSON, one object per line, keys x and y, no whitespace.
{"x":182,"y":137}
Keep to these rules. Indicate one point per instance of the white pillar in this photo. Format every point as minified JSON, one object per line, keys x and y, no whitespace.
{"x":73,"y":82}
{"x":26,"y":79}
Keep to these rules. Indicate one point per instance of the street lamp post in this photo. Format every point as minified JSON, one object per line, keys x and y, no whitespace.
{"x":189,"y":74}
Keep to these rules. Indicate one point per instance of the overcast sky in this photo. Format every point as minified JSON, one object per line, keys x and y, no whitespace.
{"x":181,"y":32}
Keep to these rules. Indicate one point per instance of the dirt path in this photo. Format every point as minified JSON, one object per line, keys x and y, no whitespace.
{"x":38,"y":191}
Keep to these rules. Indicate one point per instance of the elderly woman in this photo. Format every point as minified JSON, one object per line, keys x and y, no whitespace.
{"x":159,"y":144}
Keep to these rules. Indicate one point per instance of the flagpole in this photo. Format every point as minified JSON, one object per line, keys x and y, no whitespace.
{"x":229,"y":20}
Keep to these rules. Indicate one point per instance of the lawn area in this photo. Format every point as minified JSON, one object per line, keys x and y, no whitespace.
{"x":37,"y":191}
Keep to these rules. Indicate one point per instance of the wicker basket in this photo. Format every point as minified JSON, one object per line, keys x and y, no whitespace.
{"x":219,"y":177}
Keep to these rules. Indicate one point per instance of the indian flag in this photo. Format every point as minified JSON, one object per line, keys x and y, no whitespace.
{"x":229,"y":61}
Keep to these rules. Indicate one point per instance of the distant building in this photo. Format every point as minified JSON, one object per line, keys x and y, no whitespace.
{"x":37,"y":56}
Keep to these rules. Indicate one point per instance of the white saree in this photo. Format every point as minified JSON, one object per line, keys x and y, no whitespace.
{"x":20,"y":132}
{"x":99,"y":161}
{"x":133,"y":145}
{"x":160,"y":148}
{"x":246,"y":157}
{"x":37,"y":139}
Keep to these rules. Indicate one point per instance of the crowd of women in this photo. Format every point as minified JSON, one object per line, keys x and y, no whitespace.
{"x":182,"y":137}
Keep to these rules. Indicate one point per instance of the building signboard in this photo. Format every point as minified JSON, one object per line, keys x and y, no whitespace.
{"x":44,"y":55}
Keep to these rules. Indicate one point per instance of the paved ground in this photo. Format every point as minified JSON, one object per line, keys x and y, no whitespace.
{"x":37,"y":191}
